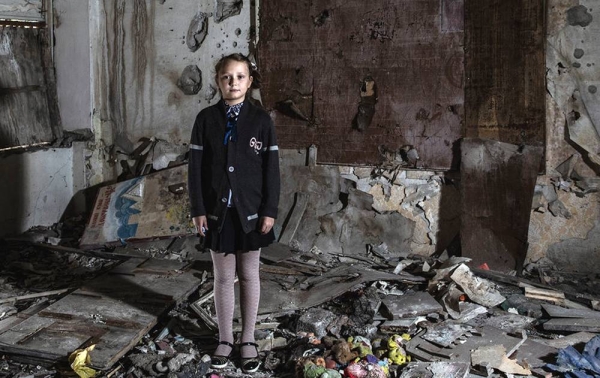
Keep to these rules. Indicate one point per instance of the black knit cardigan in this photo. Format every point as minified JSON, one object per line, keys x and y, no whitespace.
{"x":249,"y":166}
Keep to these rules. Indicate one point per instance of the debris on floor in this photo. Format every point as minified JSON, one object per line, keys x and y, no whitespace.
{"x":145,"y":309}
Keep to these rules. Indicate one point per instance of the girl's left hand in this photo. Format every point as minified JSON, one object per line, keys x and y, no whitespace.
{"x":266,"y":224}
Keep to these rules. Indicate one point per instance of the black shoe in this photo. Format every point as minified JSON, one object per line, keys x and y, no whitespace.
{"x":219,"y":362}
{"x":250,"y":365}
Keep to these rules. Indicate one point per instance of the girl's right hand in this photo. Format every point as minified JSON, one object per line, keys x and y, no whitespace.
{"x":201,"y":224}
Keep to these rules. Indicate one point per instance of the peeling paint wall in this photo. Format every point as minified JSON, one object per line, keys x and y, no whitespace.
{"x":153,"y":65}
{"x":352,"y":209}
{"x":565,"y":224}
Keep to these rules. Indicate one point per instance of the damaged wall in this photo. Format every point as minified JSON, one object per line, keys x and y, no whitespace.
{"x":362,"y":79}
{"x":356,"y":211}
{"x":138,"y":51}
{"x":152,"y":67}
{"x":38,"y":187}
{"x":565,"y":225}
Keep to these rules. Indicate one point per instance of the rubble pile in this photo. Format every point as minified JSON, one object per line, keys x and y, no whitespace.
{"x":324,"y":315}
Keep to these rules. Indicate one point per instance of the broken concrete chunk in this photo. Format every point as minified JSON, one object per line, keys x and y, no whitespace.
{"x":227,"y":8}
{"x":315,"y":320}
{"x":494,"y":356}
{"x":558,"y":209}
{"x":197,"y":31}
{"x":479,"y":290}
{"x":190,"y":80}
{"x":565,"y":169}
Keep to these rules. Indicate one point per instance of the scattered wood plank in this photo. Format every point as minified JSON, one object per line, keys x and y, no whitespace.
{"x":293,"y":222}
{"x":547,"y":295}
{"x":561,"y":312}
{"x":35,"y":295}
{"x":113,"y":311}
{"x":536,"y":354}
{"x":90,"y":253}
{"x":519,"y":281}
{"x":573,"y":325}
{"x":276,"y":252}
{"x":280,"y":270}
{"x":275,"y":301}
{"x":568,"y":340}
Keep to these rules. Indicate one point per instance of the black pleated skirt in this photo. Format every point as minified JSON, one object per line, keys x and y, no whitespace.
{"x":232,"y":237}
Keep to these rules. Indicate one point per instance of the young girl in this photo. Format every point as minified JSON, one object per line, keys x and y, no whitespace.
{"x":234,"y":194}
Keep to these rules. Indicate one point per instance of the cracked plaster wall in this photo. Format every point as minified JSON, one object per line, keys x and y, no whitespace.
{"x":139,"y":51}
{"x":37,"y":188}
{"x":570,"y":238}
{"x":352,"y":207}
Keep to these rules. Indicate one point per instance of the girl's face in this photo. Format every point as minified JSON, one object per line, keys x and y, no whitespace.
{"x":234,"y":80}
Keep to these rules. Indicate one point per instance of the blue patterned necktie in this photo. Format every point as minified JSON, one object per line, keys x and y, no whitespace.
{"x":232,"y":113}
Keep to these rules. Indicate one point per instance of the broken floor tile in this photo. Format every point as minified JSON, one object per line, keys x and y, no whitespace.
{"x":445,"y":333}
{"x":511,"y":323}
{"x":409,"y":305}
{"x":435,"y":370}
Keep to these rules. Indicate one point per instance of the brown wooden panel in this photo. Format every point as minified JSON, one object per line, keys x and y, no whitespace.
{"x":505,"y":70}
{"x":314,"y":57}
{"x":26,"y":115}
{"x":497,"y":184}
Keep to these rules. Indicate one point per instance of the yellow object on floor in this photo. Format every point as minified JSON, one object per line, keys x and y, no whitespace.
{"x":79,"y":360}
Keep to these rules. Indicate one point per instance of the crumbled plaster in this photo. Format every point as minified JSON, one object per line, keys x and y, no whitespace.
{"x":545,"y":229}
{"x":417,"y":197}
{"x":190,"y":81}
{"x":197,"y":31}
{"x":227,"y":8}
{"x":571,"y":59}
{"x":578,"y":254}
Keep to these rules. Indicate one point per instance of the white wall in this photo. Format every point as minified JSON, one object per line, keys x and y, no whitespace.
{"x":35,"y":190}
{"x":72,"y":62}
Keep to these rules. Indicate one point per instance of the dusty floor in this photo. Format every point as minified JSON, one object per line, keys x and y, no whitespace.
{"x":418,"y":323}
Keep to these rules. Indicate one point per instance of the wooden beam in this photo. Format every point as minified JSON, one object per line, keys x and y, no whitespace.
{"x":32,"y":296}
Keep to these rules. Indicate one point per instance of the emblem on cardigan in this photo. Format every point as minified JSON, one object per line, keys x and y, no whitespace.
{"x":257,"y":145}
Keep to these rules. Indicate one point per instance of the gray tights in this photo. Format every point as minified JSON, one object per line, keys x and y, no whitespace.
{"x":225,"y":266}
